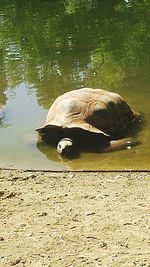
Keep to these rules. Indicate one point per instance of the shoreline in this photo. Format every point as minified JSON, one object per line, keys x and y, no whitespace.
{"x":77,"y":170}
{"x":74,"y":218}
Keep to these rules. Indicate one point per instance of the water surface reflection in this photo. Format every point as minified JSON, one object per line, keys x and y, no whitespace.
{"x":47,"y":48}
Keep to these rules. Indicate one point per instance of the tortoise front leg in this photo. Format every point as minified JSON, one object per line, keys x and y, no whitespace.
{"x":119,"y":144}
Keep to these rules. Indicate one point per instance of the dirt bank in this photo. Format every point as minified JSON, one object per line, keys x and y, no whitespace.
{"x":74,"y":219}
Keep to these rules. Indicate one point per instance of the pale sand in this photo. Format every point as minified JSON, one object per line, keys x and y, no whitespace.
{"x":74,"y":219}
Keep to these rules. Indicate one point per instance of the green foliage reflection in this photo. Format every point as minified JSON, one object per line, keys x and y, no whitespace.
{"x":59,"y":45}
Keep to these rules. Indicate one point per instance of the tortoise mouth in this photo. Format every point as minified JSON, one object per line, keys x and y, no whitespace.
{"x":65,"y":147}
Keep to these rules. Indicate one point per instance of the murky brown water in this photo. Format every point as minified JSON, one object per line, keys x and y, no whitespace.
{"x":47,"y":48}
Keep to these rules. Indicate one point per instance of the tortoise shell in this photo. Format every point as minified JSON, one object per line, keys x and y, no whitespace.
{"x":93,"y":110}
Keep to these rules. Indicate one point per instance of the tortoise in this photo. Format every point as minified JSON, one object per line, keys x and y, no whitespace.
{"x":88,"y":117}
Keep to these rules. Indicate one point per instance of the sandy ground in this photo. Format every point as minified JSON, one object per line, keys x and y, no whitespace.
{"x":74,"y":219}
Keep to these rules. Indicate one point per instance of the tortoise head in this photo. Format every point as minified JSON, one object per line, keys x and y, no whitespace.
{"x":65,"y":146}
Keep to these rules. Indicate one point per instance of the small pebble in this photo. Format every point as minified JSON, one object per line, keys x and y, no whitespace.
{"x":1,"y":193}
{"x":29,"y":234}
{"x":44,"y":213}
{"x":71,"y":175}
{"x":103,"y":244}
{"x":22,"y":225}
{"x":15,"y":262}
{"x":90,"y":213}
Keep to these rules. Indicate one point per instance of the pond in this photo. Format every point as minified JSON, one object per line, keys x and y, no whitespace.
{"x":51,"y":47}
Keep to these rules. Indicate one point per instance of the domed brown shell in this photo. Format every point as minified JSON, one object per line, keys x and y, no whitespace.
{"x":93,"y":110}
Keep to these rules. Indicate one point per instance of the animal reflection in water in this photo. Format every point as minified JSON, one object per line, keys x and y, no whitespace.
{"x":90,"y":119}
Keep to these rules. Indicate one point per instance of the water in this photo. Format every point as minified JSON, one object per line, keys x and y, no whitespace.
{"x":50,"y":47}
